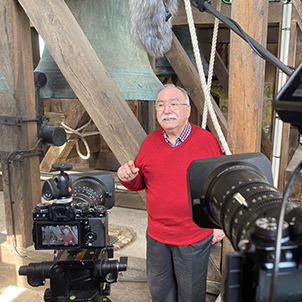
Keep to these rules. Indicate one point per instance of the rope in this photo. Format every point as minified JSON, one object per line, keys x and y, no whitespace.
{"x":204,"y":85}
{"x":211,"y":66}
{"x":81,"y":136}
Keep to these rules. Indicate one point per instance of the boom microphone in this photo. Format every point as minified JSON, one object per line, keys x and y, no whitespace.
{"x":151,"y":24}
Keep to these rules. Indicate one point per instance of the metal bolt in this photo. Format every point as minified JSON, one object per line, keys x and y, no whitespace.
{"x":288,"y":255}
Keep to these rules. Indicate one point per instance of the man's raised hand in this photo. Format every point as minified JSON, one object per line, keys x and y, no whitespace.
{"x":128,"y":171}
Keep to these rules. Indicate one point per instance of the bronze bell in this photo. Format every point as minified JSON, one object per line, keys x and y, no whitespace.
{"x":162,"y":65}
{"x":106,"y":25}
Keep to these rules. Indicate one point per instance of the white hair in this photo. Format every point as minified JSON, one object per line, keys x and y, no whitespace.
{"x":187,"y":99}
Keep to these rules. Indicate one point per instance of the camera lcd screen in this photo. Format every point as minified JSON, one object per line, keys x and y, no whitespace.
{"x":58,"y":235}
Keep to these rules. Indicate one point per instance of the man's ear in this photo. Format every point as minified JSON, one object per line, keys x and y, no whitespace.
{"x":188,"y":111}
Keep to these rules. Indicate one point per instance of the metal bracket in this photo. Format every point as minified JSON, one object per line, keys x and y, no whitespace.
{"x":19,"y":156}
{"x":10,"y":120}
{"x":14,"y":120}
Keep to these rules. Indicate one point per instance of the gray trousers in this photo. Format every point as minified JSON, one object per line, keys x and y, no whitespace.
{"x":178,"y":273}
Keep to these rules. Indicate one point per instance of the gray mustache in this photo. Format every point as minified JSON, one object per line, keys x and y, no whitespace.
{"x":148,"y":25}
{"x":168,"y":116}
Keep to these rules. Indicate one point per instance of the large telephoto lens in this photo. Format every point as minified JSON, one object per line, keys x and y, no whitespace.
{"x":239,"y":196}
{"x":232,"y":192}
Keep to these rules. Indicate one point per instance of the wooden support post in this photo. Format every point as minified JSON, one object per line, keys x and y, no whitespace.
{"x":246,"y":78}
{"x":18,"y":101}
{"x":284,"y":159}
{"x":87,"y":76}
{"x":246,"y":83}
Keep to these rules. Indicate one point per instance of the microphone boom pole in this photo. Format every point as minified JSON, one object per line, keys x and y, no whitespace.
{"x":205,"y":5}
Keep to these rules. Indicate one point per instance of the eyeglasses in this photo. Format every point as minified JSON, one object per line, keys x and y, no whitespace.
{"x":174,"y":105}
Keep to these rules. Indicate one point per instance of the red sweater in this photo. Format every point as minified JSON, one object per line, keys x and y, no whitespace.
{"x":162,"y":174}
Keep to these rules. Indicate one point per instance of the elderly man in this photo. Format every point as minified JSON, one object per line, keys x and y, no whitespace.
{"x":177,"y":249}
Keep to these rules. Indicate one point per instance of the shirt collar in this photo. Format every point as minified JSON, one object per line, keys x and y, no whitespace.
{"x":181,"y":138}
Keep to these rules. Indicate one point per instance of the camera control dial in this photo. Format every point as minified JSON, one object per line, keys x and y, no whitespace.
{"x":90,"y":237}
{"x":266,"y":228}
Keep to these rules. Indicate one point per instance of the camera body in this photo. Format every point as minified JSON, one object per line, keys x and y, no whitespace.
{"x":77,"y":218}
{"x":84,"y":228}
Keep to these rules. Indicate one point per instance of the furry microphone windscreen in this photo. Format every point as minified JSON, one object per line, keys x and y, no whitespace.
{"x":151,"y":24}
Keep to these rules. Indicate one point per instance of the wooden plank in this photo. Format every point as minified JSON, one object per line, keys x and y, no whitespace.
{"x":200,"y":19}
{"x":297,"y":13}
{"x":35,"y":47}
{"x":93,"y":143}
{"x":284,"y":155}
{"x":296,"y":191}
{"x":220,"y":69}
{"x":146,"y":114}
{"x":17,"y":66}
{"x":77,"y":116}
{"x":151,"y":104}
{"x":87,"y":76}
{"x":266,"y":145}
{"x":189,"y":77}
{"x":205,"y":19}
{"x":205,"y":35}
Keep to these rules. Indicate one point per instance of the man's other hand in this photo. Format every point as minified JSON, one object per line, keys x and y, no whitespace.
{"x":218,"y":235}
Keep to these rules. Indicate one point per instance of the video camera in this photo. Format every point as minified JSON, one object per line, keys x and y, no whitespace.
{"x":235,"y":193}
{"x":76,"y":225}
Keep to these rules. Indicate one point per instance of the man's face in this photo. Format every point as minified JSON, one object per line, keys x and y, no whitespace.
{"x":66,"y":232}
{"x":173,"y":120}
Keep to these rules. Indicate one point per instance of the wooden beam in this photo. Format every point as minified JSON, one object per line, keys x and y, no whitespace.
{"x":284,"y":155}
{"x":200,"y":19}
{"x":17,"y":67}
{"x":189,"y":77}
{"x":35,"y":47}
{"x":298,"y":10}
{"x":206,"y":35}
{"x":151,"y":104}
{"x":77,"y":116}
{"x":206,"y":19}
{"x":247,"y":74}
{"x":220,"y":69}
{"x":87,"y":76}
{"x":93,"y":143}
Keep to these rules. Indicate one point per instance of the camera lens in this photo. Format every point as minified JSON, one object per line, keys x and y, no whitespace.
{"x":239,"y":195}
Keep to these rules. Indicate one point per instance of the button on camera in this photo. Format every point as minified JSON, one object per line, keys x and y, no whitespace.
{"x":90,"y":237}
